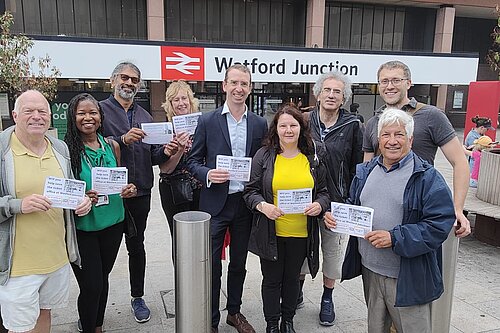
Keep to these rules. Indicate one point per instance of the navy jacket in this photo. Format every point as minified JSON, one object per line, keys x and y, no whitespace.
{"x":211,"y":139}
{"x":137,"y":157}
{"x":428,"y":218}
{"x":263,"y":241}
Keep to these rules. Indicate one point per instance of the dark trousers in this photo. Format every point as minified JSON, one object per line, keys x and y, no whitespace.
{"x":235,"y":216}
{"x":170,"y":209}
{"x":98,"y":251}
{"x":139,"y":208}
{"x":281,"y":279}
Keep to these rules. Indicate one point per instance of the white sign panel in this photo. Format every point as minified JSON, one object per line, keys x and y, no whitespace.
{"x":167,"y":62}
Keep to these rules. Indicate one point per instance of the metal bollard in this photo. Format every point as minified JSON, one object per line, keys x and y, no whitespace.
{"x":441,"y":308}
{"x":193,"y":272}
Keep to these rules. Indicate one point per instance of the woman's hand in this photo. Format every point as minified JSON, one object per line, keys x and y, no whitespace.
{"x":271,"y":211}
{"x":183,"y":140}
{"x":128,"y":191}
{"x":330,"y":221}
{"x":92,"y":194}
{"x":313,"y":209}
{"x":84,"y":207}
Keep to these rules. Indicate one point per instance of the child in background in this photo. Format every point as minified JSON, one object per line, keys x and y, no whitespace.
{"x":479,"y":144}
{"x":482,"y":125}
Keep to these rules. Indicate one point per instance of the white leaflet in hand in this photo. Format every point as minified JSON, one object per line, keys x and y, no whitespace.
{"x":294,"y":201}
{"x":238,"y":167}
{"x":157,"y":133}
{"x":64,"y":193}
{"x":186,"y":123}
{"x":352,"y":220}
{"x":109,"y":180}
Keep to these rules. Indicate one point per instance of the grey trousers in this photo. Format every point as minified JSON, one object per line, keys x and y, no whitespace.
{"x":380,"y":296}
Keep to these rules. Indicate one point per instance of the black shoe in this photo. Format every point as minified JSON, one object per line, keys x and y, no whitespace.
{"x":272,"y":327}
{"x":327,"y":312}
{"x":287,"y":326}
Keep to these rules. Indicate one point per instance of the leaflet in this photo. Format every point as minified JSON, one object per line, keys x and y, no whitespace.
{"x":157,"y":133}
{"x":294,"y":201}
{"x":186,"y":122}
{"x":238,"y":167}
{"x":352,"y":220}
{"x":109,"y":180}
{"x":64,"y":193}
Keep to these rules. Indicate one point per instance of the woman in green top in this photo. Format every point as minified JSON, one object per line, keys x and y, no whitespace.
{"x":99,"y":233}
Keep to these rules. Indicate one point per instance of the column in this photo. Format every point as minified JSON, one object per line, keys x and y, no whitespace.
{"x":315,"y":29}
{"x":443,"y":38}
{"x":156,"y":31}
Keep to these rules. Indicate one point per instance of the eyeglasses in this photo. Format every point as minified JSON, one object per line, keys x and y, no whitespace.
{"x":328,"y":91}
{"x":134,"y":79}
{"x":395,"y":82}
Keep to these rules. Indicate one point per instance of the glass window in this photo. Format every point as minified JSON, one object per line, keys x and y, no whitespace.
{"x":98,"y":18}
{"x":378,"y":28}
{"x":186,"y":18}
{"x":276,"y":22}
{"x":82,"y":18}
{"x":333,"y":19}
{"x":213,"y":20}
{"x":263,"y":21}
{"x":239,"y":17}
{"x":227,"y":21}
{"x":114,"y":21}
{"x":399,"y":25}
{"x":129,"y":19}
{"x":251,"y":22}
{"x":49,"y":17}
{"x":367,"y":28}
{"x":65,"y":17}
{"x":172,"y":18}
{"x":31,"y":11}
{"x":345,"y":26}
{"x":356,"y":27}
{"x":142,"y":26}
{"x":388,"y":29}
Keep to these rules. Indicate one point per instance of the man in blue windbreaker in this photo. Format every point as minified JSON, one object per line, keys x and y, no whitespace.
{"x":400,"y":260}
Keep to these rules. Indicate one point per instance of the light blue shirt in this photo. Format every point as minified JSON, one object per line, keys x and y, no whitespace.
{"x":238,"y":136}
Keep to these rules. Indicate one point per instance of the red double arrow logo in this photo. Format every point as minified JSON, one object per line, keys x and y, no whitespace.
{"x":187,"y":63}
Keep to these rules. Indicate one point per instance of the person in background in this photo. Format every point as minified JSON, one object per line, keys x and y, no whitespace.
{"x":353,"y":108}
{"x":289,"y":160}
{"x":400,"y":260}
{"x":38,"y":241}
{"x":231,"y":130}
{"x":483,"y":142}
{"x":122,"y":123}
{"x":99,"y":233}
{"x":483,"y":124}
{"x":179,"y":100}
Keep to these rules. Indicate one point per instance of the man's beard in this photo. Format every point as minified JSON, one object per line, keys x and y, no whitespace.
{"x":125,"y":94}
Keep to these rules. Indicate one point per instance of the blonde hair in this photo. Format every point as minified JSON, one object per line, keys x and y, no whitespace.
{"x":173,"y":89}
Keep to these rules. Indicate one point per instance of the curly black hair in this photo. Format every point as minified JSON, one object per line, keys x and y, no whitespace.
{"x":305,"y":144}
{"x":73,"y":137}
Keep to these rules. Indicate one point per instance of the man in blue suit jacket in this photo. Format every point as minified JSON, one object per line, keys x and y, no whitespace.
{"x":232,"y":131}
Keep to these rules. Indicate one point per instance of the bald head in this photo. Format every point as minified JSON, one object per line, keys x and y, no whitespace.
{"x":32,"y":96}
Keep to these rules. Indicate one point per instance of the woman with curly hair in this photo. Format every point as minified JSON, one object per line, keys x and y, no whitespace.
{"x":99,"y":233}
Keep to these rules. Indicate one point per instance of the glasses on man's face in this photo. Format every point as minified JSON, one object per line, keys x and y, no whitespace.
{"x":327,"y":91}
{"x":125,"y":78}
{"x":395,"y":82}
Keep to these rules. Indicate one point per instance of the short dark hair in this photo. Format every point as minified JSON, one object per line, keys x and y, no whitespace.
{"x":305,"y":144}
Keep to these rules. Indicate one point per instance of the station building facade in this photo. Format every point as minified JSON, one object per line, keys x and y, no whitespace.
{"x":367,"y":27}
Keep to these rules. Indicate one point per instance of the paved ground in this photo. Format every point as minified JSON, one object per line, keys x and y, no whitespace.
{"x":476,"y":306}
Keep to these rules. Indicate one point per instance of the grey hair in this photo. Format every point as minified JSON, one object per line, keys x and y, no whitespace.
{"x":395,"y":64}
{"x":336,"y":76}
{"x":393,"y":116}
{"x":17,"y":103}
{"x":125,"y":64}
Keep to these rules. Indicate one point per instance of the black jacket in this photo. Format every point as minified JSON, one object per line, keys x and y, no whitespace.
{"x":263,"y":240}
{"x":343,"y":146}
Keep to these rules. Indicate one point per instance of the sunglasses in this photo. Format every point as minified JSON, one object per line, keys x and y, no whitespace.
{"x":125,"y":78}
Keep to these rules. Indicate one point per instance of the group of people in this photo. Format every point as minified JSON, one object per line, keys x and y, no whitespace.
{"x":319,"y":152}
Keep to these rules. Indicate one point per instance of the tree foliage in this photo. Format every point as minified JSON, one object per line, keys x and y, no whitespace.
{"x":17,"y":67}
{"x":493,"y":56}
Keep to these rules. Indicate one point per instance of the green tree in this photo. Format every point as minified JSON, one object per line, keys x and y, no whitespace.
{"x":493,"y":56}
{"x":17,"y":67}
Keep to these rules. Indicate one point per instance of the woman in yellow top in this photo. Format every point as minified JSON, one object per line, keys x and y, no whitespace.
{"x":284,"y":236}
